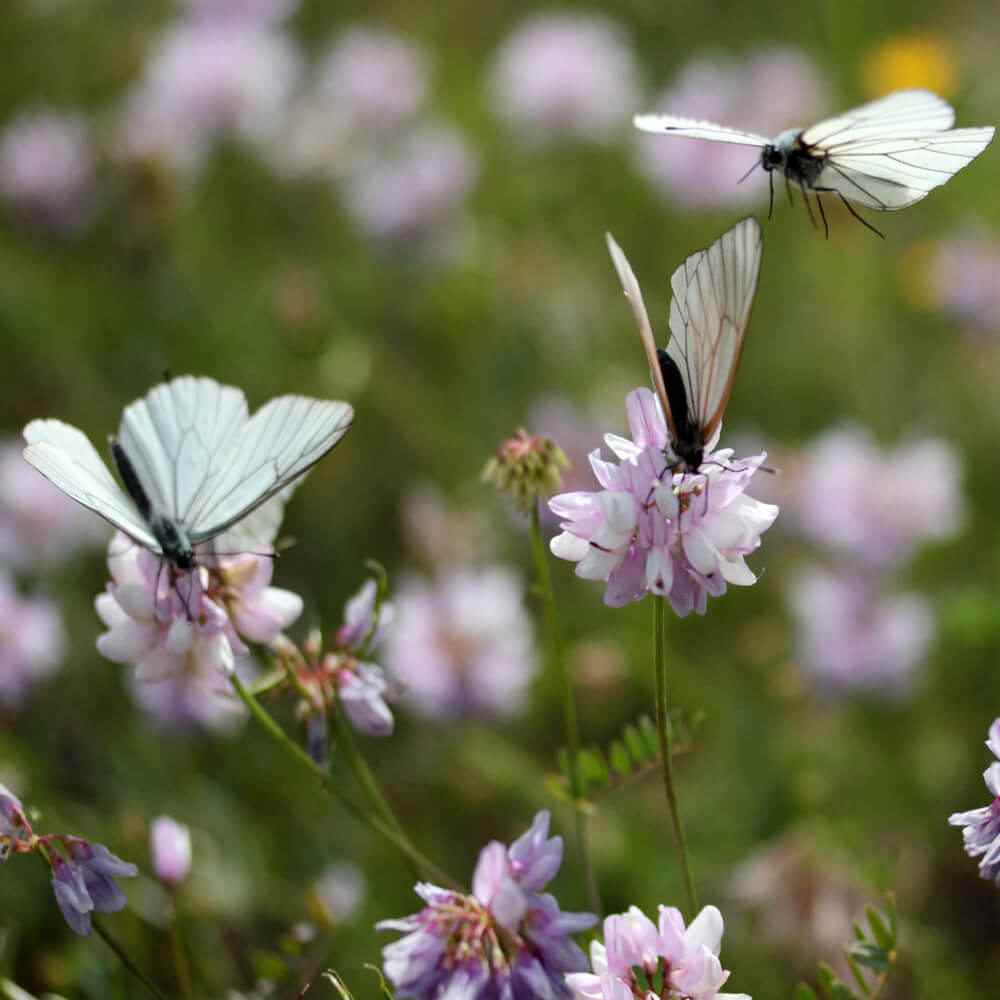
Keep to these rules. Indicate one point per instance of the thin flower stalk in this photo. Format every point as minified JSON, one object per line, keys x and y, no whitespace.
{"x":665,"y":735}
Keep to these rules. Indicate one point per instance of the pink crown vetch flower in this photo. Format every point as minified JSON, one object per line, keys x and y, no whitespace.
{"x":981,"y":827}
{"x":683,"y":536}
{"x":680,"y":963}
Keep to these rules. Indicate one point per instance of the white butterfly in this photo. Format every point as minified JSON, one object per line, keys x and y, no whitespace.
{"x":713,"y":294}
{"x":885,"y":155}
{"x":193,"y":462}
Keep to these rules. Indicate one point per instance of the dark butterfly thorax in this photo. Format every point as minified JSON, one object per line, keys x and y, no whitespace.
{"x":172,"y":537}
{"x":688,"y":438}
{"x":797,"y":161}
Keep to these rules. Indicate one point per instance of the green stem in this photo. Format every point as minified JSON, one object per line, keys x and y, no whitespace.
{"x":556,"y":665}
{"x":363,"y":774}
{"x":293,"y":750}
{"x":125,"y":960}
{"x":665,"y":734}
{"x":182,"y":969}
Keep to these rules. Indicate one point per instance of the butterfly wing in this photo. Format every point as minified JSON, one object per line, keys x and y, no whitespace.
{"x":630,"y":286}
{"x":65,"y":456}
{"x":893,"y":152}
{"x":179,"y":438}
{"x":690,"y":128}
{"x":280,"y":442}
{"x":713,"y":293}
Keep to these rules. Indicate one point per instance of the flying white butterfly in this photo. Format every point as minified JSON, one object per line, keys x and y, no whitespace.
{"x":193,"y":462}
{"x":713,"y":294}
{"x":885,"y":155}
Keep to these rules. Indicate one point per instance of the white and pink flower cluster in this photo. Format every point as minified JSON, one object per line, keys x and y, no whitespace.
{"x":185,"y":632}
{"x":683,"y":536}
{"x":869,"y":509}
{"x":675,"y":962}
{"x":981,"y":827}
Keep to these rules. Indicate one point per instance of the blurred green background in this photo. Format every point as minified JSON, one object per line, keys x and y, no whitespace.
{"x":444,"y":332}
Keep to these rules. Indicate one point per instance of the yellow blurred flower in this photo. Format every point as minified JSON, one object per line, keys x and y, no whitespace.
{"x":916,"y":60}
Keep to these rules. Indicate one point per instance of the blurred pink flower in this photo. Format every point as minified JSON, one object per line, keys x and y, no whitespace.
{"x":47,"y":169}
{"x":563,"y":73}
{"x":687,"y":956}
{"x":853,"y":638}
{"x":441,"y":532}
{"x":170,"y":848}
{"x":39,"y":525}
{"x":367,"y":85}
{"x":416,"y":191}
{"x":771,"y":90}
{"x":33,"y":642}
{"x":341,"y":891}
{"x":877,"y":505}
{"x":462,"y":645}
{"x":184,"y":631}
{"x":981,"y":827}
{"x":682,"y":536}
{"x":205,"y":80}
{"x":965,"y":281}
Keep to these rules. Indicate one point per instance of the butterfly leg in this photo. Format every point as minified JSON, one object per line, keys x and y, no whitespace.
{"x":770,"y":203}
{"x":864,"y":222}
{"x":822,"y":215}
{"x":788,"y":191}
{"x":809,"y":208}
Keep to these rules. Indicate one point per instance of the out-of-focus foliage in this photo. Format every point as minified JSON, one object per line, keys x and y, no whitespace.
{"x":439,"y":261}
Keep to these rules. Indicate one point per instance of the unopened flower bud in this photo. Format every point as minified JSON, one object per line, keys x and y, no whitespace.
{"x":527,"y":466}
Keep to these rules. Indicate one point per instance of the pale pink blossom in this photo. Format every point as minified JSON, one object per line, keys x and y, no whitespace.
{"x":368,"y":86}
{"x":170,"y":847}
{"x":853,"y":637}
{"x":462,"y":645}
{"x":39,"y":525}
{"x":208,"y":79}
{"x":33,"y":642}
{"x":414,"y":191}
{"x":965,"y":281}
{"x":565,"y":73}
{"x":184,"y":632}
{"x":766,"y":92}
{"x":686,"y":956}
{"x":877,"y":505}
{"x":341,"y":891}
{"x":683,"y":536}
{"x":249,"y":11}
{"x":981,"y":827}
{"x":47,"y":169}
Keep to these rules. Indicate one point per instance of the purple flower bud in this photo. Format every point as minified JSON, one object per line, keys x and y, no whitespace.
{"x":362,"y":694}
{"x":99,"y":868}
{"x":170,"y":846}
{"x":12,"y":818}
{"x":72,"y":895}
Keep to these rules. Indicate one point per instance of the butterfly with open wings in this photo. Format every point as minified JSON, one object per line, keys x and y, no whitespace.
{"x":885,"y":155}
{"x":193,"y":462}
{"x":713,"y":292}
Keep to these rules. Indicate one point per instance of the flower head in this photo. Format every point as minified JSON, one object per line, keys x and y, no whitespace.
{"x":877,"y":505}
{"x":47,"y":171}
{"x":981,"y":827}
{"x":184,"y":631}
{"x":84,"y":882}
{"x":170,"y":847}
{"x":14,"y":826}
{"x":463,"y":644}
{"x":854,"y":638}
{"x":506,"y":939}
{"x":527,"y":466}
{"x":964,"y":281}
{"x":682,"y":961}
{"x":32,"y":642}
{"x":565,"y":74}
{"x":682,"y":536}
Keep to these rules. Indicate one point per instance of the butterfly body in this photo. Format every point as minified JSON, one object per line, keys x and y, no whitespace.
{"x":800,"y":163}
{"x":687,"y":438}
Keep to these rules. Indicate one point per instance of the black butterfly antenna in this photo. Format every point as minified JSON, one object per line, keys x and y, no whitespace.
{"x":749,"y":172}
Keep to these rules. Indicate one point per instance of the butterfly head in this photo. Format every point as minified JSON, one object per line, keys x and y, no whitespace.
{"x":174,"y":542}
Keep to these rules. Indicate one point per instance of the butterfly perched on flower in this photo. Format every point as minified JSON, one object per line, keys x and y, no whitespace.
{"x":713,"y":292}
{"x":193,"y":462}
